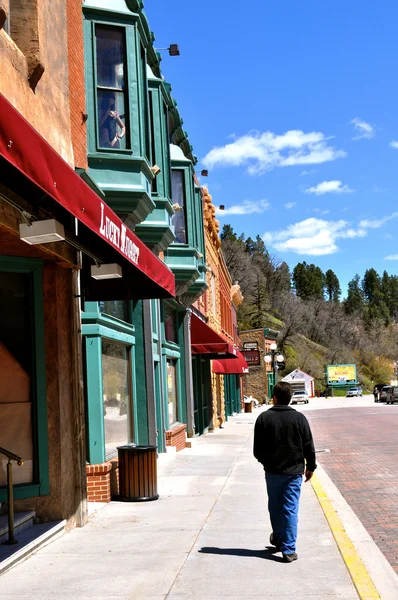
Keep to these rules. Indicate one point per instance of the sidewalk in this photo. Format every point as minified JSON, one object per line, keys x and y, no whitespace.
{"x":204,"y":539}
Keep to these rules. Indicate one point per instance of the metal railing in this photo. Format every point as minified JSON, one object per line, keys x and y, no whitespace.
{"x":10,"y":492}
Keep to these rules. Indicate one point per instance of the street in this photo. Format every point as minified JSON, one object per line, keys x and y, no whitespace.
{"x":363,"y":442}
{"x":207,"y":535}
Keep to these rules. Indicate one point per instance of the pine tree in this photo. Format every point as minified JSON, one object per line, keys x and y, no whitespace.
{"x":332,"y":286}
{"x":354,"y":302}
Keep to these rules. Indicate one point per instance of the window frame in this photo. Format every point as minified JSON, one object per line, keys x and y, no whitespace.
{"x":125,"y":90}
{"x":184,"y":208}
{"x":131,"y":434}
{"x":97,"y":326}
{"x":41,"y":484}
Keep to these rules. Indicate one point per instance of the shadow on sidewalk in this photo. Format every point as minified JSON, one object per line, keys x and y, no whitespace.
{"x":268,"y":553}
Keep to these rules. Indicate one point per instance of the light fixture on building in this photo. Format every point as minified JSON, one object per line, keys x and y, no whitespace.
{"x":155,"y":170}
{"x":176,"y":207}
{"x":41,"y":232}
{"x":173,"y":50}
{"x":106,"y":271}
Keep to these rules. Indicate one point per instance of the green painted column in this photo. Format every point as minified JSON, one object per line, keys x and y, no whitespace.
{"x":95,"y":409}
{"x":140,"y":384}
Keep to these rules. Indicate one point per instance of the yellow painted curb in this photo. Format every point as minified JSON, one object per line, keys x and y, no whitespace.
{"x":359,"y":574}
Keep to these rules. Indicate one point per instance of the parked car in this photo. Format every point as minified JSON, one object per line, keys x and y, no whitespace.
{"x":376,"y":391}
{"x":354,"y":391}
{"x":299,"y":397}
{"x":384,"y":392}
{"x":392,"y":395}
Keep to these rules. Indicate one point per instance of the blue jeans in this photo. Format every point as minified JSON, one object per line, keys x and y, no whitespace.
{"x":283,"y":503}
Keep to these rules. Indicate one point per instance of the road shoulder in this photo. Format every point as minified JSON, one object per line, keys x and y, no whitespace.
{"x":376,"y":567}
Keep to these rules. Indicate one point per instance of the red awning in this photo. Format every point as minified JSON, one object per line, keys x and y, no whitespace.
{"x":23,"y":147}
{"x":206,"y":341}
{"x":233,"y":366}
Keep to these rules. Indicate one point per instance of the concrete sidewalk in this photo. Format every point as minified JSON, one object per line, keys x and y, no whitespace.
{"x":203,"y":539}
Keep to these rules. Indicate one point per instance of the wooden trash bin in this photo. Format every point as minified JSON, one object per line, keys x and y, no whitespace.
{"x":138,"y":481}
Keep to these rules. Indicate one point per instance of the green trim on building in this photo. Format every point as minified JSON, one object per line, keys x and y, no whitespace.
{"x":41,"y":484}
{"x":97,"y":326}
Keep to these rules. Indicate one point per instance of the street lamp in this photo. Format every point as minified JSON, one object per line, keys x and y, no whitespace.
{"x":273,"y":357}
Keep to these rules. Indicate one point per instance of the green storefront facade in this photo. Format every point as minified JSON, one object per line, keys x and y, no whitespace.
{"x":138,"y":367}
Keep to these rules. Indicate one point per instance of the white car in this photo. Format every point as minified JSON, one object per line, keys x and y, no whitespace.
{"x":299,"y":397}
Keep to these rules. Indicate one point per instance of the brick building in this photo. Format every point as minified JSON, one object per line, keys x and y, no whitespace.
{"x":255,"y":343}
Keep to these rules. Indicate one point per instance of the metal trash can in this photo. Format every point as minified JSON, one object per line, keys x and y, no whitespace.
{"x":138,"y":481}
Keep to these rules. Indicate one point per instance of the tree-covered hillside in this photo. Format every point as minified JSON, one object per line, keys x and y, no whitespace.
{"x":316,"y":327}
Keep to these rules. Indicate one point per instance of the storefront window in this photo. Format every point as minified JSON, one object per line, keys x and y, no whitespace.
{"x":115,"y":308}
{"x":170,"y":330}
{"x":172,"y":391}
{"x":178,"y":196}
{"x":116,"y":396}
{"x":111,"y":88}
{"x":17,"y":369}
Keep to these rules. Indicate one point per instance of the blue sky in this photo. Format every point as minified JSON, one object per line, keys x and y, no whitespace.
{"x":292,"y":107}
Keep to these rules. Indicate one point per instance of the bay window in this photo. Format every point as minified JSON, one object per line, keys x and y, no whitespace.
{"x":178,"y":197}
{"x":112,"y":99}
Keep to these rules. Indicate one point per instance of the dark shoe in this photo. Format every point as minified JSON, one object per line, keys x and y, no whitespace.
{"x":274,"y":542}
{"x":290,"y":557}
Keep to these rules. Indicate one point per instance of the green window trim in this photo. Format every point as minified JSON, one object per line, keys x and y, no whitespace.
{"x":97,"y":326}
{"x":135,"y":84}
{"x":40,"y":487}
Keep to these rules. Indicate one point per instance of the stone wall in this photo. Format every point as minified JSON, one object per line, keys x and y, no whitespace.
{"x":38,"y":46}
{"x":256,"y":382}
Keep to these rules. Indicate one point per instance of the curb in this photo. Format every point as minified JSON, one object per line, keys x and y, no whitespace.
{"x":359,"y":574}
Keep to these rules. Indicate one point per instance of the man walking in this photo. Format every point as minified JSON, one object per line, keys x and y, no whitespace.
{"x":282,"y":442}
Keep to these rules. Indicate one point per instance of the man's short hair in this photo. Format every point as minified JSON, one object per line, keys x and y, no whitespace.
{"x":283,"y":393}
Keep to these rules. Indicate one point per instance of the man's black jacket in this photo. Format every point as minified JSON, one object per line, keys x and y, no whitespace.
{"x":282,"y":440}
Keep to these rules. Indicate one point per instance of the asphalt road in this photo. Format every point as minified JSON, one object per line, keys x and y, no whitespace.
{"x":357,"y":444}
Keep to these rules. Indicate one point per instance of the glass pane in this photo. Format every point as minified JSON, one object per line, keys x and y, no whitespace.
{"x":170,"y":331}
{"x":178,"y":197}
{"x":115,"y":308}
{"x":16,"y":371}
{"x":112,"y":119}
{"x":172,"y":391}
{"x":116,"y":397}
{"x":111,"y":54}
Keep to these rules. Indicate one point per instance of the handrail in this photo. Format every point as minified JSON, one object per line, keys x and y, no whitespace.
{"x":10,"y":495}
{"x":12,"y":456}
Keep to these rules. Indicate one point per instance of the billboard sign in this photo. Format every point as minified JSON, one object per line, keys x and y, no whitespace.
{"x":341,"y":374}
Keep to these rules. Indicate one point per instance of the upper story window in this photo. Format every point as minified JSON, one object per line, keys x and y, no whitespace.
{"x":170,"y":326}
{"x":178,"y":196}
{"x":112,"y":100}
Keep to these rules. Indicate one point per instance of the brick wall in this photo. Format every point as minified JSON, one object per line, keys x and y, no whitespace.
{"x":77,"y":94}
{"x":99,"y":482}
{"x":177,"y":437}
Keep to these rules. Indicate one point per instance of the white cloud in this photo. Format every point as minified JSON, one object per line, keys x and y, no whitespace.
{"x":319,"y":237}
{"x":364,"y":130}
{"x":322,"y":211}
{"x":312,"y":236}
{"x":307,"y":172}
{"x":248,"y":207}
{"x":391,"y":257}
{"x":328,"y":187}
{"x":394,"y":144}
{"x":264,"y":151}
{"x":289,"y":205}
{"x":366,"y":224}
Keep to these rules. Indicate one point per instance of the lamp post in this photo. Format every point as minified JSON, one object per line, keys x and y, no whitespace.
{"x":273,"y":357}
